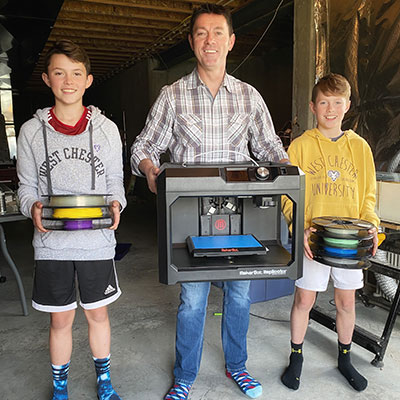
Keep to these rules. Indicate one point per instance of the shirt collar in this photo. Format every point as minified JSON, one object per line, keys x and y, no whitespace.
{"x":194,"y":82}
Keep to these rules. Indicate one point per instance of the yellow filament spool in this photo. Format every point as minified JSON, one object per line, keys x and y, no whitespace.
{"x":76,"y":213}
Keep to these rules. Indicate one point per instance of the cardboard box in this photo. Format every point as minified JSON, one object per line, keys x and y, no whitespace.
{"x":388,"y":201}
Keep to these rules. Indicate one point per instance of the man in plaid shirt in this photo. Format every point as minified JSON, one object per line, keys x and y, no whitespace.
{"x":208,"y":116}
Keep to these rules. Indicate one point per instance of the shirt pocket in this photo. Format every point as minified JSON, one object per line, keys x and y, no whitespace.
{"x":190,"y":130}
{"x":237,"y":129}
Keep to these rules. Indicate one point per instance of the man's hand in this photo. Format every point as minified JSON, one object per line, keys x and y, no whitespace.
{"x":115,"y":208}
{"x":151,"y":172}
{"x":307,"y":251}
{"x":36,"y":212}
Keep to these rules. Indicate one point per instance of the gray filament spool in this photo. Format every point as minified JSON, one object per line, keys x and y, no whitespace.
{"x":77,"y":200}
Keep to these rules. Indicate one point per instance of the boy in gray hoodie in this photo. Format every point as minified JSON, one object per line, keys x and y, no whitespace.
{"x":70,"y":150}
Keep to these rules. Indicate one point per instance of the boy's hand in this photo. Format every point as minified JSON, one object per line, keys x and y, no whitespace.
{"x":307,"y":251}
{"x":375,"y":240}
{"x":36,"y":212}
{"x":115,"y":208}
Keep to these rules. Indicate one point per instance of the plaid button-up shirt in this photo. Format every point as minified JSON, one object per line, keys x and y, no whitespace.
{"x":195,"y":127}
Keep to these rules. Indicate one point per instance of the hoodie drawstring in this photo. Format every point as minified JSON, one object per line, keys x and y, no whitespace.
{"x":324,"y":158}
{"x":92,"y":150}
{"x":351,"y":150}
{"x":49,"y":185}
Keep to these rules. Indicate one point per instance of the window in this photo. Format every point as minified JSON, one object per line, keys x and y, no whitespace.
{"x":6,"y":103}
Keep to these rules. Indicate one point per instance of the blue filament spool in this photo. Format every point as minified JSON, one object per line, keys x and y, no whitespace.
{"x":337,"y":252}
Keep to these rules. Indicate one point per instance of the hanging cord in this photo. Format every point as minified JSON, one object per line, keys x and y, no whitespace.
{"x":259,"y":40}
{"x":270,"y":319}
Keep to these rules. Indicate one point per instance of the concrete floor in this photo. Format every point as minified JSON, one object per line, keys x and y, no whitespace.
{"x":143,"y":333}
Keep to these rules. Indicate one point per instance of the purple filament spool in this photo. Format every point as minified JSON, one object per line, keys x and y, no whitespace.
{"x":75,"y":225}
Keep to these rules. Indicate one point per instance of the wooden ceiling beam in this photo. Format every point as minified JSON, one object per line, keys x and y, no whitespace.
{"x":117,"y":29}
{"x":231,"y":4}
{"x":93,"y":44}
{"x":81,"y":33}
{"x":98,"y":71}
{"x":148,"y":22}
{"x":100,"y":61}
{"x":91,"y":9}
{"x":102,"y":70}
{"x":227,"y":3}
{"x":108,"y":61}
{"x":95,"y":53}
{"x":175,"y":6}
{"x":120,"y":57}
{"x":117,"y":33}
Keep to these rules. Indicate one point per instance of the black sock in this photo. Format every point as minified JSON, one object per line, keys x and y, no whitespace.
{"x":356,"y":380}
{"x":291,"y":376}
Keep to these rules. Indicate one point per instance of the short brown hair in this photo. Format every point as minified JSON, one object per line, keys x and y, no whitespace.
{"x":208,"y":8}
{"x":69,"y":49}
{"x":332,"y":83}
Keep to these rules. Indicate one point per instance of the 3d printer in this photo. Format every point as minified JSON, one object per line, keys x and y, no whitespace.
{"x":222,"y":222}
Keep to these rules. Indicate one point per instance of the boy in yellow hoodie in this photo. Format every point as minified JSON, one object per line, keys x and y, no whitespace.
{"x":340,"y":181}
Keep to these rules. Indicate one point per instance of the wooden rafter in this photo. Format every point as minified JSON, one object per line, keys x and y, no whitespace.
{"x":118,"y":33}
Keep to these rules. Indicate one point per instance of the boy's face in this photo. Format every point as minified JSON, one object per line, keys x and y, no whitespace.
{"x":67,"y":79}
{"x":329,"y":109}
{"x":211,"y":41}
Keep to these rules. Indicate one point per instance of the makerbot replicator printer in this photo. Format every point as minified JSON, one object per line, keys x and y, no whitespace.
{"x":222,"y":221}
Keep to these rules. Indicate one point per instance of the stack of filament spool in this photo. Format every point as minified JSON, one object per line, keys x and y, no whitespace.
{"x":342,"y":242}
{"x":76,"y":212}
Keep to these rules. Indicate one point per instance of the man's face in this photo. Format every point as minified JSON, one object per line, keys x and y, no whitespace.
{"x":211,"y":41}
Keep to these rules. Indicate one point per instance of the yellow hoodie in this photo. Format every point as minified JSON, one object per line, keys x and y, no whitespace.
{"x":340,"y":177}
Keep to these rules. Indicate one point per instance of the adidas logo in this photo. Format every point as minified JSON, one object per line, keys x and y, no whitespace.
{"x":109,"y":289}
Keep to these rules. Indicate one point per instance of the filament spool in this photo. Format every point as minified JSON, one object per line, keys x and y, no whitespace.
{"x":345,"y":243}
{"x":74,"y":225}
{"x":325,"y":240}
{"x":341,"y":242}
{"x":76,"y":212}
{"x":344,"y":262}
{"x":336,"y":252}
{"x":342,"y":227}
{"x":340,"y":261}
{"x":78,"y":224}
{"x":80,"y":200}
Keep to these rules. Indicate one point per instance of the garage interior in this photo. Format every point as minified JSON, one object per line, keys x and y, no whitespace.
{"x":136,"y":47}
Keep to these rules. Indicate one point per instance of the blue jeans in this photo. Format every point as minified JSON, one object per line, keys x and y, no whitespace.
{"x":190,"y":327}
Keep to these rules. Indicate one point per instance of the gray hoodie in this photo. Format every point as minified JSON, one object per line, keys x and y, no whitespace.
{"x":72,"y":170}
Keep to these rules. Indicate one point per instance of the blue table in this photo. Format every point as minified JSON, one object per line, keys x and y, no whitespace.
{"x":3,"y":244}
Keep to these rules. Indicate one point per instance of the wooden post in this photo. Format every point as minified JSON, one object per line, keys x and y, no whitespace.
{"x":303,"y":66}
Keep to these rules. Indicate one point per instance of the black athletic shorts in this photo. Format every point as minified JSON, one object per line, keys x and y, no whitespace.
{"x":54,"y":284}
